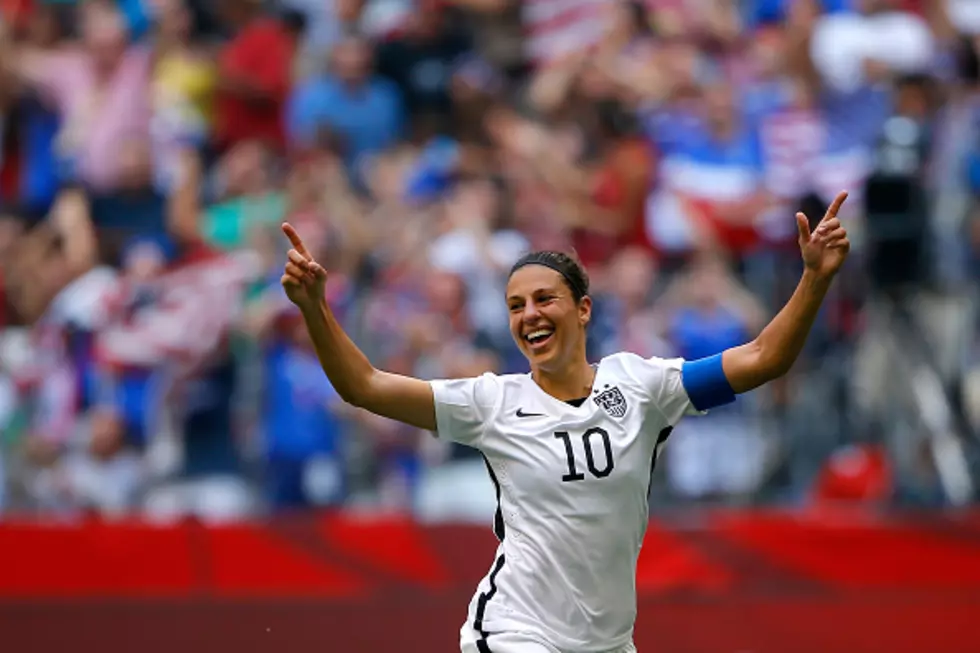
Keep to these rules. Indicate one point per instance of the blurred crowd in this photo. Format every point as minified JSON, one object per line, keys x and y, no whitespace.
{"x":150,"y":149}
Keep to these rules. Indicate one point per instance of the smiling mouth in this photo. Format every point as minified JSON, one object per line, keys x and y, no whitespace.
{"x":538,"y":337}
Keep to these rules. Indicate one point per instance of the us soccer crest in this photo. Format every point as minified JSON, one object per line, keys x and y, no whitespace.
{"x":612,"y":401}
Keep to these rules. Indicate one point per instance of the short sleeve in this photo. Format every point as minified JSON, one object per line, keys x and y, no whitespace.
{"x":662,"y":379}
{"x":670,"y":393}
{"x":464,"y":407}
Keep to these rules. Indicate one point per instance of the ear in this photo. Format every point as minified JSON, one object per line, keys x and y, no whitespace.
{"x":585,"y":310}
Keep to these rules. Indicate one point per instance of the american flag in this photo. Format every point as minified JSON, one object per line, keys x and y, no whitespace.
{"x":181,"y":318}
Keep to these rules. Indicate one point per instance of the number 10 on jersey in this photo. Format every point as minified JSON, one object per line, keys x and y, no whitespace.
{"x":590,"y":442}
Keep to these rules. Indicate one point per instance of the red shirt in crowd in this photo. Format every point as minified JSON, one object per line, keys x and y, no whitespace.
{"x":621,"y":187}
{"x":260,"y":55}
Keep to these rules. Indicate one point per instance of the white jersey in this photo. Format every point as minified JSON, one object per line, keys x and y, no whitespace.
{"x":573,"y":486}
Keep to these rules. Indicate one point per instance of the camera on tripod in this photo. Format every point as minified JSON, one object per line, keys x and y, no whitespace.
{"x":895,"y":200}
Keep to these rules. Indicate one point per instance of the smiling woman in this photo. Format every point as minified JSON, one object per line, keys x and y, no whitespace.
{"x":569,"y":447}
{"x":550,"y":309}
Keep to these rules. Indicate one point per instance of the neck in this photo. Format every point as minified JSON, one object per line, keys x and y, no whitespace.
{"x":573,"y":381}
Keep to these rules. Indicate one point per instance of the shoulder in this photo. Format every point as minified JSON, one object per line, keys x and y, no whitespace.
{"x":466,"y":407}
{"x":634,"y":366}
{"x":487,"y":389}
{"x":484,"y":387}
{"x":652,"y":379}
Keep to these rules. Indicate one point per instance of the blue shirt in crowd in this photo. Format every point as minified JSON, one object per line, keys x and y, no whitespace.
{"x":367,"y":119}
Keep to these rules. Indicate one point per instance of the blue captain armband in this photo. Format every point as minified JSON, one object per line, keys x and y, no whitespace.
{"x":706,"y":383}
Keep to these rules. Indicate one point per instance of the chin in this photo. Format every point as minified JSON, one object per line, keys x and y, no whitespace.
{"x":543,"y":360}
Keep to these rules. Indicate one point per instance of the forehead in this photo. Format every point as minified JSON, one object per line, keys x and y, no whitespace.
{"x":532,"y":278}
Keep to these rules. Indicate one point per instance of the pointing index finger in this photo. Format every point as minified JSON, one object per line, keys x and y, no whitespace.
{"x":296,"y":241}
{"x":835,"y":206}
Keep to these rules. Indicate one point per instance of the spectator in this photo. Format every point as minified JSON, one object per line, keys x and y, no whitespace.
{"x":254,"y":77}
{"x":480,"y":249}
{"x":27,"y":165}
{"x":103,"y":473}
{"x":497,"y":33}
{"x":324,"y":24}
{"x":851,"y":90}
{"x":248,"y":196}
{"x":53,"y":282}
{"x":626,"y":320}
{"x":303,"y":434}
{"x":99,"y":93}
{"x":421,"y":61}
{"x":612,"y":213}
{"x":720,"y":144}
{"x":707,"y":312}
{"x":144,"y":170}
{"x":350,"y":103}
{"x":184,"y":81}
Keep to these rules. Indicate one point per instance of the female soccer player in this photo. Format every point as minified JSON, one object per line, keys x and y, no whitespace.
{"x":570,"y":445}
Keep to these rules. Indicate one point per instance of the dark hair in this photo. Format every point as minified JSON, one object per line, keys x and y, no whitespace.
{"x":570,"y":269}
{"x":614,"y":120}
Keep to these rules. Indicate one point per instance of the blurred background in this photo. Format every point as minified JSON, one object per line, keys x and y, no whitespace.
{"x":156,"y":387}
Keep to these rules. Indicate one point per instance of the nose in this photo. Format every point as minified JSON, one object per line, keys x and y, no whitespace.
{"x":531,"y":312}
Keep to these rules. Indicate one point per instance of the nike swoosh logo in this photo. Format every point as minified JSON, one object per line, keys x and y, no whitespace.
{"x":521,"y":413}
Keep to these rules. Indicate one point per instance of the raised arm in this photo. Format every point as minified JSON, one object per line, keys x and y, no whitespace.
{"x":776,"y":348}
{"x":356,"y":380}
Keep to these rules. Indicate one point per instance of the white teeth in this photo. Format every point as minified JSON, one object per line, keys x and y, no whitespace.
{"x":538,"y":334}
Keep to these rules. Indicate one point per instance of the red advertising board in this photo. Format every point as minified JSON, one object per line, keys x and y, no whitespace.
{"x":732,"y":582}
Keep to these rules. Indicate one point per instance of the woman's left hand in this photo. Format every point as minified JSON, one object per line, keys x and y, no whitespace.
{"x":825,"y":249}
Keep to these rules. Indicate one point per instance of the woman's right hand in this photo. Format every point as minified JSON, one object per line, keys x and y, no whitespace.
{"x":304,"y":280}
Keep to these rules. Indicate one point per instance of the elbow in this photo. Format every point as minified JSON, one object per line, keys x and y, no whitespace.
{"x":352,"y":397}
{"x":358,"y":393}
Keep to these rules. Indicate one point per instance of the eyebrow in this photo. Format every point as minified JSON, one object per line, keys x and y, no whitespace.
{"x":535,"y":291}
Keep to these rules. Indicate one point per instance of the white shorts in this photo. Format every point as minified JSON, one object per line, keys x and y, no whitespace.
{"x":471,"y":642}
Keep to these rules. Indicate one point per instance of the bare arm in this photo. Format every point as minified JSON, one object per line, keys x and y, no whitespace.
{"x":33,"y":69}
{"x":551,"y":86}
{"x":359,"y":383}
{"x":29,"y":297}
{"x":70,"y":223}
{"x":356,"y":380}
{"x":774,"y":351}
{"x":183,"y":205}
{"x":73,"y":220}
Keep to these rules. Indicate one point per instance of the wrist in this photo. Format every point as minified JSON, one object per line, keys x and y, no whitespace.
{"x":312,"y":308}
{"x":817,"y":280}
{"x":308,"y":309}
